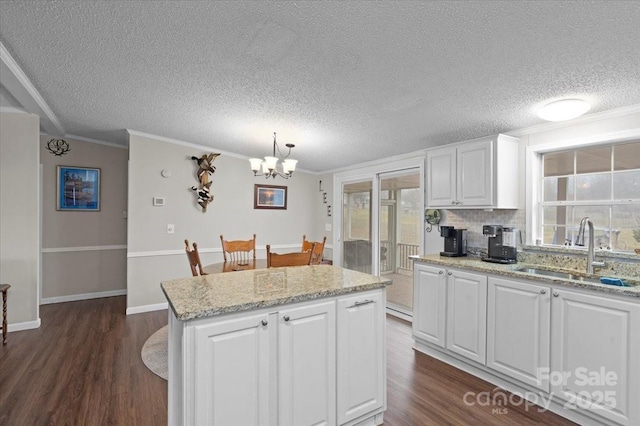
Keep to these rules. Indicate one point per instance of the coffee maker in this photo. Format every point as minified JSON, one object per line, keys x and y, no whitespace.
{"x":503,"y":247}
{"x":455,"y":241}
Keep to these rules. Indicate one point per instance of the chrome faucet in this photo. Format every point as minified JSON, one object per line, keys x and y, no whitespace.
{"x":591,"y":249}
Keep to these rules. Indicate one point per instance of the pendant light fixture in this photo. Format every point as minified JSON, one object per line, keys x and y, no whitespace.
{"x":269,"y":166}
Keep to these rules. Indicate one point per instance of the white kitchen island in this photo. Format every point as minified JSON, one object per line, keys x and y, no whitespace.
{"x":281,"y":346}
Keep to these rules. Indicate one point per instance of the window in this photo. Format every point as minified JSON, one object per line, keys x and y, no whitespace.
{"x":601,"y":182}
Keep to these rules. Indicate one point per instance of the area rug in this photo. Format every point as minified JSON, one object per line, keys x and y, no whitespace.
{"x":154,"y":352}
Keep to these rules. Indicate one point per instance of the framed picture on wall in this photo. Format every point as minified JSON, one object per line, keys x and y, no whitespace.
{"x":78,"y":188}
{"x":270,"y":197}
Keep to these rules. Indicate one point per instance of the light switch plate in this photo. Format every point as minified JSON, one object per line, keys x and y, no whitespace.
{"x":158,"y":201}
{"x":327,"y":227}
{"x":171,"y":228}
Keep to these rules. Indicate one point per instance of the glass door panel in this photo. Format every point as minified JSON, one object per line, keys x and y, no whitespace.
{"x":356,"y":226}
{"x":400,"y":229}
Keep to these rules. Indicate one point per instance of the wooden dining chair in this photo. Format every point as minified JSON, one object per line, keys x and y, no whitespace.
{"x":288,"y":259}
{"x":239,"y":251}
{"x":194,"y":259}
{"x":317,"y":250}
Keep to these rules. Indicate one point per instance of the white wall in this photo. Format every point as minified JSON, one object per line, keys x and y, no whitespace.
{"x":19,"y":217}
{"x":99,"y":250}
{"x":597,"y":127}
{"x":154,"y":256}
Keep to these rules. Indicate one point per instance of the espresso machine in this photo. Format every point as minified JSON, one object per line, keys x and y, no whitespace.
{"x":503,"y":247}
{"x":455,"y":241}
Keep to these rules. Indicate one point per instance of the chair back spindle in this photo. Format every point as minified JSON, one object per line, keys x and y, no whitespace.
{"x":194,"y":259}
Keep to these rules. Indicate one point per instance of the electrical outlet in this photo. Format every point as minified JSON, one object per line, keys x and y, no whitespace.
{"x":171,"y":228}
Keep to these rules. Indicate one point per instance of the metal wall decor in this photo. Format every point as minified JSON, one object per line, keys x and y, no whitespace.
{"x":58,"y":147}
{"x":205,"y":169}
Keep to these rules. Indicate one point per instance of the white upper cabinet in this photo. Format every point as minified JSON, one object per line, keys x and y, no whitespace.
{"x":477,"y":174}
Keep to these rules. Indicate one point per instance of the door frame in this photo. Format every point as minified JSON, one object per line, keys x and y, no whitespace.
{"x":371,"y":172}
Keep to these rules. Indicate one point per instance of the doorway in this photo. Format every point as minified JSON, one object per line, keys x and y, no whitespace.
{"x":400,"y":220}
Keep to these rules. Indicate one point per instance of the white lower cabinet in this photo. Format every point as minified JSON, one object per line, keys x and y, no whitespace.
{"x":307,"y":365}
{"x":430,"y":303}
{"x":231,"y":360}
{"x":518,"y":330}
{"x":467,"y":315}
{"x":361,"y":356}
{"x":450,"y":310}
{"x":579,"y":350}
{"x":299,"y":364}
{"x":595,"y":355}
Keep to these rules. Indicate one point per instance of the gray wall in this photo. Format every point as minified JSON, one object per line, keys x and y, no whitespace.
{"x":154,"y":256}
{"x":19,"y":217}
{"x":78,"y":245}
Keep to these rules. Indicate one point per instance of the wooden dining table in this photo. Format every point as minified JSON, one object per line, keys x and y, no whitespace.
{"x":216,"y":268}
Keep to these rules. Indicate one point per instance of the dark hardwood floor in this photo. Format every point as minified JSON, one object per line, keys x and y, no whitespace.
{"x":83,"y":367}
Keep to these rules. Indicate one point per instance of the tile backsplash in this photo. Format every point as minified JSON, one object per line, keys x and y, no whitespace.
{"x":473,"y":220}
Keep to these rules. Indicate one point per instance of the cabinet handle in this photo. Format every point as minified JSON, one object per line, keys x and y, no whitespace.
{"x":286,"y":318}
{"x":556,"y":294}
{"x":265,"y":322}
{"x":453,"y":202}
{"x":441,"y":272}
{"x":356,"y":304}
{"x":449,"y":273}
{"x":543,"y":291}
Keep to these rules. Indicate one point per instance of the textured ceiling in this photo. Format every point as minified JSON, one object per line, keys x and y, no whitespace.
{"x":346,"y":82}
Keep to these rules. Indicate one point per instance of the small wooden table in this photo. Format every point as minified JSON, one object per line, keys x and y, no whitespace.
{"x":3,"y":289}
{"x":216,"y":268}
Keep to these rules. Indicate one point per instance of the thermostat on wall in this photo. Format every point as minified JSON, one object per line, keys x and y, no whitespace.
{"x":158,"y":201}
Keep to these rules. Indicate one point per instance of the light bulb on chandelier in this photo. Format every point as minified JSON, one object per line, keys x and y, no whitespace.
{"x":269,"y":166}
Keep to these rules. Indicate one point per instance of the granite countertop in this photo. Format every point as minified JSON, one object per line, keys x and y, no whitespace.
{"x":216,"y":294}
{"x":475,"y":264}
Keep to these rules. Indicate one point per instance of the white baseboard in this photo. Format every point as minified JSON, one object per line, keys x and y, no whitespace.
{"x":85,"y":296}
{"x":20,"y":326}
{"x":147,"y":308}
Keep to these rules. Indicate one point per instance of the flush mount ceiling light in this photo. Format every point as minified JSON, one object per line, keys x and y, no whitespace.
{"x":269,"y":166}
{"x":564,"y":109}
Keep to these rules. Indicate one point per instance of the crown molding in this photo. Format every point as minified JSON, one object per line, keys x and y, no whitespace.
{"x":96,"y":141}
{"x":21,"y":88}
{"x":589,"y":118}
{"x":12,"y":110}
{"x":195,"y":146}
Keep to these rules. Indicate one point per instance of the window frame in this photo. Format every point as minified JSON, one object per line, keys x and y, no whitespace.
{"x":534,"y":170}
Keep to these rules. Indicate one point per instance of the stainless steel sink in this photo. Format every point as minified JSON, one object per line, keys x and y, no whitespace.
{"x":554,"y":274}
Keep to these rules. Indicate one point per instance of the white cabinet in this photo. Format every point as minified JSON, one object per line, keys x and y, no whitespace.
{"x":476,"y":174}
{"x":596,"y":347}
{"x":518,"y":330}
{"x":307,"y":365}
{"x":231,"y":359}
{"x":430,"y":303}
{"x":361,"y":355}
{"x":581,"y":351}
{"x":311,"y":363}
{"x":450,"y":310}
{"x":467,"y":315}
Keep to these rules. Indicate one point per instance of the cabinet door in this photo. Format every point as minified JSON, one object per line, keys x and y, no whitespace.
{"x":475,"y":174}
{"x":596,"y":347}
{"x":429,"y":303}
{"x":231,"y":372}
{"x":307,"y":365}
{"x":467,"y":315}
{"x":518,"y":321}
{"x":441,"y":177}
{"x":360,"y":361}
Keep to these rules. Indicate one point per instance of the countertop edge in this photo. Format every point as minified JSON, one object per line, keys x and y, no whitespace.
{"x":507,"y":271}
{"x":296,"y":298}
